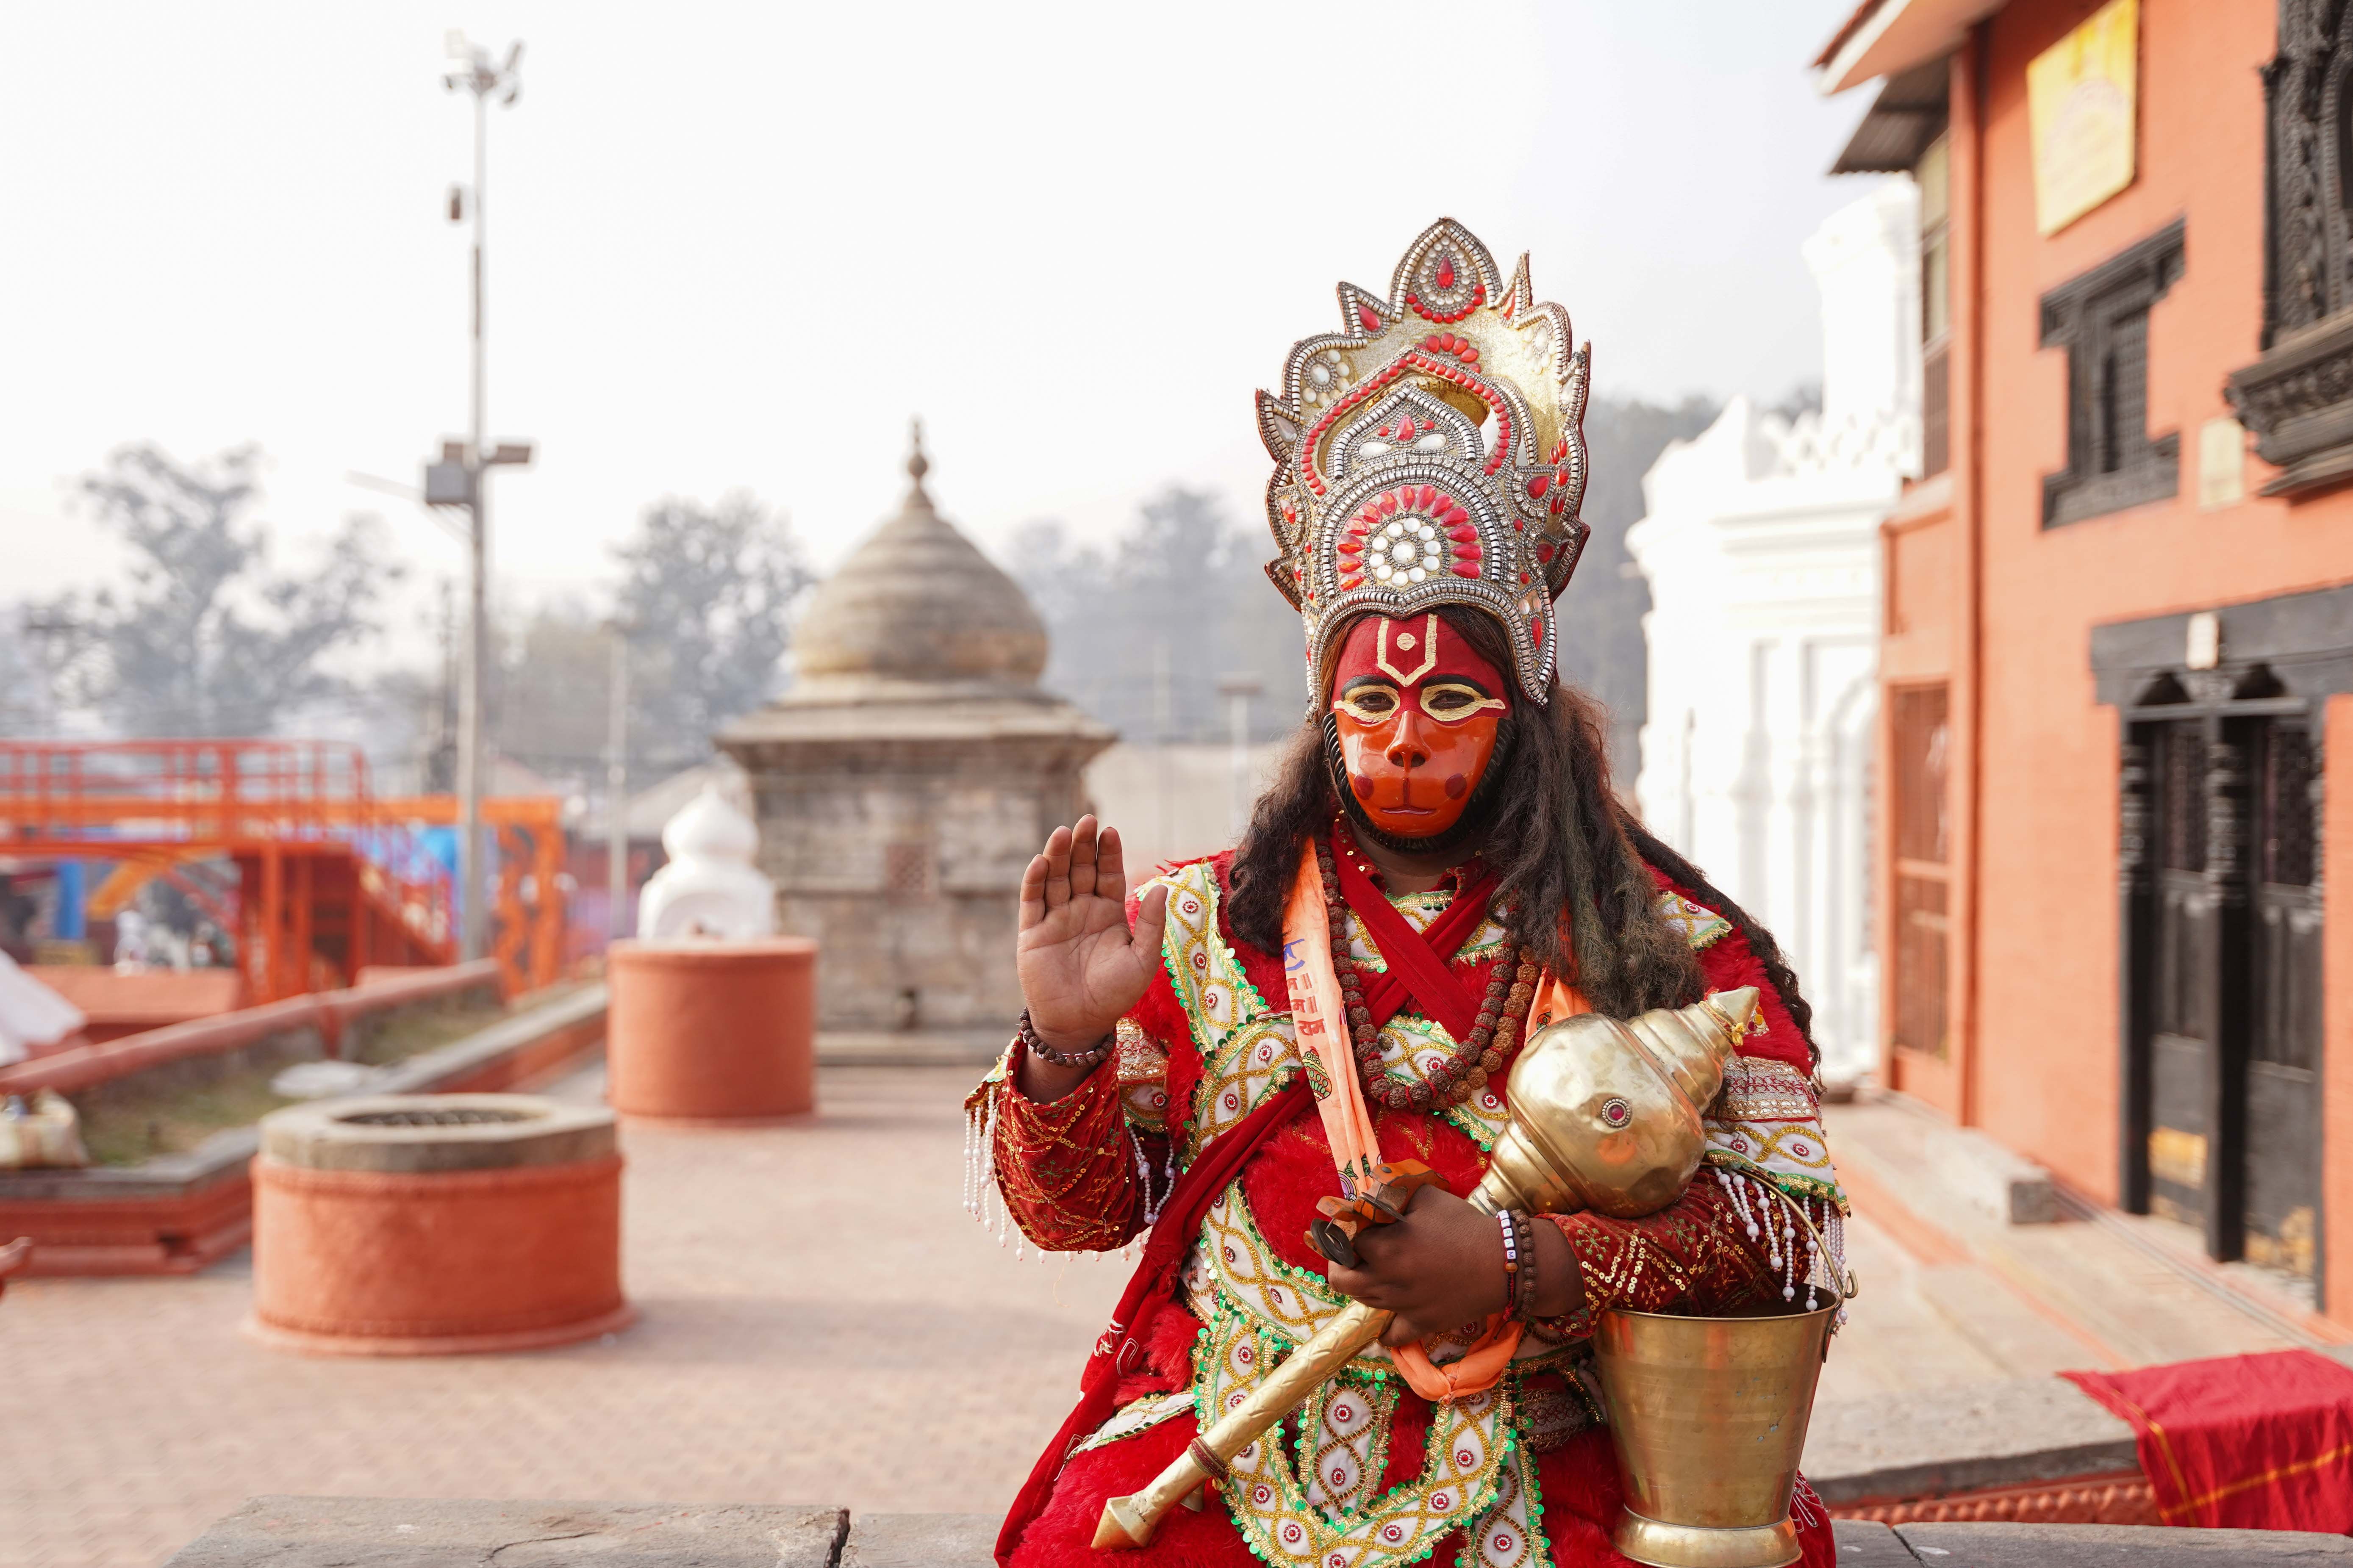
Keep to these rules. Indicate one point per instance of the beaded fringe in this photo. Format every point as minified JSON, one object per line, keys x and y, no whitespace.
{"x":1781,"y":1237}
{"x":980,"y":1192}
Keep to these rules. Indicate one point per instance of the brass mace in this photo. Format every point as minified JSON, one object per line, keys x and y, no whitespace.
{"x":1605,"y":1115}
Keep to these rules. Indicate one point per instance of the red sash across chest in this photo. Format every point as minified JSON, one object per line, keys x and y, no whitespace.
{"x":1418,"y":959}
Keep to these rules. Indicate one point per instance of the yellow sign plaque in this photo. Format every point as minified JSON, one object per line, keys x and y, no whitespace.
{"x":2080,"y":103}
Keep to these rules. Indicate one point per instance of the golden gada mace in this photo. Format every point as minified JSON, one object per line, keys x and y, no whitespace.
{"x":1605,"y":1115}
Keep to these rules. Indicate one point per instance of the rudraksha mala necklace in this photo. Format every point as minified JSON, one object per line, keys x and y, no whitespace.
{"x":1510,"y":989}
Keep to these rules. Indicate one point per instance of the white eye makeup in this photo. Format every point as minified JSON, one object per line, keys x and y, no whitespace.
{"x":1368,"y":703}
{"x":1447,"y":701}
{"x":1452,"y":702}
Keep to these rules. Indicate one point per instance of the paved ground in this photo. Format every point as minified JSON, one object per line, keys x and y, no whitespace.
{"x":821,"y":1324}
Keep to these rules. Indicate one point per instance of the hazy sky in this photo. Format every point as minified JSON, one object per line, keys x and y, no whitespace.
{"x":738,"y":247}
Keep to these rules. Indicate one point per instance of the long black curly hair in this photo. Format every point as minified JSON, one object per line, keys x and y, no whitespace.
{"x":1556,"y":836}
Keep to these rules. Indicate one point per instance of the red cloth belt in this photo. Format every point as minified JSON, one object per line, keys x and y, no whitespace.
{"x":1417,"y":960}
{"x":2248,"y":1442}
{"x":1152,"y":1287}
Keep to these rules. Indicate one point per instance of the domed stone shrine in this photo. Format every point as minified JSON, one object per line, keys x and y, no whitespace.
{"x":908,"y":777}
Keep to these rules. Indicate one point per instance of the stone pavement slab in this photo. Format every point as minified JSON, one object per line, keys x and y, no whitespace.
{"x":2111,"y":1546}
{"x":921,"y":1540}
{"x":1867,"y":1544}
{"x":821,"y":1320}
{"x":404,"y":1532}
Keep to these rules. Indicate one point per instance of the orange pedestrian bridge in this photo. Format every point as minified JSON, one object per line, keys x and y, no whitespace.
{"x":330,"y":878}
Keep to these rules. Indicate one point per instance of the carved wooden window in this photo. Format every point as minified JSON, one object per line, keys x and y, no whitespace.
{"x":2308,"y":260}
{"x":2101,"y":318}
{"x":2298,"y":398}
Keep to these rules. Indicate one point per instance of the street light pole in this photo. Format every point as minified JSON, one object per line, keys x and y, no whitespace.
{"x":616,"y":786}
{"x":475,"y":71}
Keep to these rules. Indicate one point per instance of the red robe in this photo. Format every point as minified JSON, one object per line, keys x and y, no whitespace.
{"x":1082,"y":1174}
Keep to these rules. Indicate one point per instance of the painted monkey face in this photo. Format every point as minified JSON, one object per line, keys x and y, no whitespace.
{"x":1417,"y":711}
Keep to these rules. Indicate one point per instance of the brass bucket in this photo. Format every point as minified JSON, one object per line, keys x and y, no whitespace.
{"x":1708,"y":1416}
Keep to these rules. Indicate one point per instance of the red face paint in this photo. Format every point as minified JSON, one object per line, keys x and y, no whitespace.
{"x":1417,"y":711}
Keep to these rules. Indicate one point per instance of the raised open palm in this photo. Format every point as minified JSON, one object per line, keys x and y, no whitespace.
{"x":1080,"y":967}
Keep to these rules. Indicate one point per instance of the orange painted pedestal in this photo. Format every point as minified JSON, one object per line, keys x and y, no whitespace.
{"x":439,"y":1225}
{"x":711,"y":1031}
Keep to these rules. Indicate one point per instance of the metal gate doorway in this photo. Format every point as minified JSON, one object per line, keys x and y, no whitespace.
{"x":2221,"y":782}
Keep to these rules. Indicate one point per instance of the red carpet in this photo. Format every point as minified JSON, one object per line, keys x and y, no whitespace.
{"x":2249,"y":1442}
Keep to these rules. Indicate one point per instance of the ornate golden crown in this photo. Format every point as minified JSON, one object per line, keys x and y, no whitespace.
{"x":1431,"y":453}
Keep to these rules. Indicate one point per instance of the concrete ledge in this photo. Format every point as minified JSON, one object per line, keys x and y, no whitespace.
{"x":393,"y":1533}
{"x":1993,"y":1179}
{"x":921,"y":1540}
{"x":386,"y":1533}
{"x":177,"y":1213}
{"x":297,"y":1028}
{"x":1866,"y":1543}
{"x":513,"y":1053}
{"x":1961,"y":1440}
{"x":2111,"y":1545}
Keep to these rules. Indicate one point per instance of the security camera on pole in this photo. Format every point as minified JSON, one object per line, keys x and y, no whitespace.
{"x":456,"y":481}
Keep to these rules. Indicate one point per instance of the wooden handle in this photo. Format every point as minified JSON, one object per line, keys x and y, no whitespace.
{"x":1129,"y":1521}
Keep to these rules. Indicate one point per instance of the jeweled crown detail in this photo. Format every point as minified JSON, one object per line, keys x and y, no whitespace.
{"x":1431,"y":452}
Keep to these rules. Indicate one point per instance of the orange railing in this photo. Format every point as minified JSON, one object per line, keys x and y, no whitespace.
{"x":264,"y":802}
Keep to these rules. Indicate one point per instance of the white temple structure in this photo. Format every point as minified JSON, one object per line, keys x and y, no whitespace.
{"x":710,"y":887}
{"x":1761,"y":545}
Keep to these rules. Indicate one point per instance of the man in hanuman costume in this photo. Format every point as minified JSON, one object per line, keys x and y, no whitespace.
{"x":1440,"y":851}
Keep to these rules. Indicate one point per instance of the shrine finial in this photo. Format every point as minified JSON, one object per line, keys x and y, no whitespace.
{"x":917,"y":464}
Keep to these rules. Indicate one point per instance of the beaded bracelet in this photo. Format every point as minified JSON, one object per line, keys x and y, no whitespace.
{"x":1523,"y":1300}
{"x":1513,"y":1238}
{"x":1040,"y":1049}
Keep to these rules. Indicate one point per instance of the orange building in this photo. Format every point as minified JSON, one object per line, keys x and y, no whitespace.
{"x":2115,"y":890}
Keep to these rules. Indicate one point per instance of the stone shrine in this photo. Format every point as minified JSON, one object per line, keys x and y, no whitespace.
{"x":905,"y":780}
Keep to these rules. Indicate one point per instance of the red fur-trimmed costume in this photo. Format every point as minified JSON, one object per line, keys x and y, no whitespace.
{"x":1370,"y":1473}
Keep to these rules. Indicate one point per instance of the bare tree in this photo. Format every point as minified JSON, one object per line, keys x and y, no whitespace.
{"x":206,"y":639}
{"x":547,"y":702}
{"x":707,"y":591}
{"x":1142,"y":636}
{"x":25,"y":695}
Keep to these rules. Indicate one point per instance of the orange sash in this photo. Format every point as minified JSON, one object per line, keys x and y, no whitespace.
{"x":1322,"y":1023}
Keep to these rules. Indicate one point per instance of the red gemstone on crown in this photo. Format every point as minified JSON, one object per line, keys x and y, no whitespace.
{"x":1446,"y":272}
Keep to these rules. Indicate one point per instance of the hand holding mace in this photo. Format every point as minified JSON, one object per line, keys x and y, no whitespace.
{"x":1605,"y":1115}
